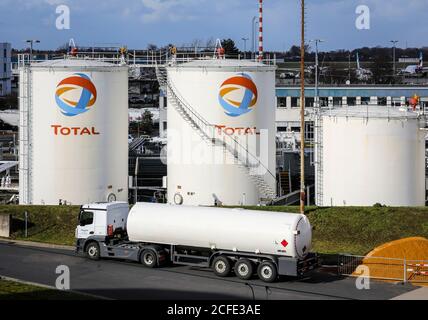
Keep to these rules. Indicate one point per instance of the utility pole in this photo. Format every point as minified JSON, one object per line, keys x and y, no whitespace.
{"x":394,"y":45}
{"x":302,"y":111}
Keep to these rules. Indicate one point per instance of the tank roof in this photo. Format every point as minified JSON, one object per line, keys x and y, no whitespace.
{"x":221,"y":64}
{"x":74,"y":63}
{"x":368,"y":111}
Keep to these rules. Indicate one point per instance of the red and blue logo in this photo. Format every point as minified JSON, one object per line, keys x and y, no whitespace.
{"x":75,"y":95}
{"x":238,"y":95}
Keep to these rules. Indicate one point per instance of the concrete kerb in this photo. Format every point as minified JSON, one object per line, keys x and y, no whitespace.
{"x":36,"y":244}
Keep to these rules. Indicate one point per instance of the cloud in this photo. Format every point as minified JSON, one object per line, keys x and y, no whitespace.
{"x":170,"y":10}
{"x":138,"y":22}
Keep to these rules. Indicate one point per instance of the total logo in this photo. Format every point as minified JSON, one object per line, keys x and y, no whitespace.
{"x":75,"y":95}
{"x":238,"y":95}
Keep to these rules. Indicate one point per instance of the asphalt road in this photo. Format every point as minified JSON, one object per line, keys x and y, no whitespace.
{"x":123,"y":280}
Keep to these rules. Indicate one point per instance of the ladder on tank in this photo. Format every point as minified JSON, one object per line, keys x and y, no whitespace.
{"x":25,"y":101}
{"x":251,"y":164}
{"x":319,"y":178}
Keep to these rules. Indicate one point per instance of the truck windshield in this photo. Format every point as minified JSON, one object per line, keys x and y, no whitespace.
{"x":86,"y":218}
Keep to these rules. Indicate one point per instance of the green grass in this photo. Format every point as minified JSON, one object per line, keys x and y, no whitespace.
{"x":337,"y":230}
{"x":359,"y":230}
{"x":47,"y":224}
{"x":10,"y":290}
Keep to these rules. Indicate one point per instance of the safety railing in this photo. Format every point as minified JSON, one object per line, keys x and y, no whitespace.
{"x":417,"y":271}
{"x":148,"y":58}
{"x":384,"y":268}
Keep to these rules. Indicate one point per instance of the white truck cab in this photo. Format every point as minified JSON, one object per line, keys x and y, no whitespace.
{"x":102,"y":219}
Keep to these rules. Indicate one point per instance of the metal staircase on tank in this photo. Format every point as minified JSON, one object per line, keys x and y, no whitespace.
{"x":137,"y":143}
{"x":284,"y":177}
{"x":251,"y":164}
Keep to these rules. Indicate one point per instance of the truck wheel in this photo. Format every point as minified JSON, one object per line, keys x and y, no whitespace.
{"x":93,"y":251}
{"x":149,"y":259}
{"x":222,"y":266}
{"x":244,"y":269}
{"x":267,"y":272}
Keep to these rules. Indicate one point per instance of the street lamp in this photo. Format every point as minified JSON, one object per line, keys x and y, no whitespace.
{"x":253,"y":37}
{"x":32,"y":42}
{"x":317,"y":41}
{"x":394,"y":44}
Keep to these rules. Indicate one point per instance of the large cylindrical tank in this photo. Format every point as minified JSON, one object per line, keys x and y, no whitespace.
{"x":284,"y":234}
{"x":370,"y":155}
{"x":74,"y":132}
{"x":236,"y":101}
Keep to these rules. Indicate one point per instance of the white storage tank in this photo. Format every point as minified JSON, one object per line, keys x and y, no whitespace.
{"x":276,"y":233}
{"x":370,"y":155}
{"x":73,"y":132}
{"x":230,"y":103}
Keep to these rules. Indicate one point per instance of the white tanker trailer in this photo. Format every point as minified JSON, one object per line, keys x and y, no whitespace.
{"x":243,"y":241}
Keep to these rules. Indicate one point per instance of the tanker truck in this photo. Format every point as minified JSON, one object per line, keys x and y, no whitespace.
{"x":238,"y":241}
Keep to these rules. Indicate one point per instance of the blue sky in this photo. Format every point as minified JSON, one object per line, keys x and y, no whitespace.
{"x":136,"y":23}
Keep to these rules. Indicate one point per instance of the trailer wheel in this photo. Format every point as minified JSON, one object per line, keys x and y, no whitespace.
{"x":244,"y":269}
{"x":93,"y":251}
{"x":267,"y":272}
{"x":149,"y":259}
{"x":222,"y":266}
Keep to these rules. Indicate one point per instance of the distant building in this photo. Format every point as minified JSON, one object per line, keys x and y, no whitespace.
{"x":288,"y":100}
{"x":5,"y":69}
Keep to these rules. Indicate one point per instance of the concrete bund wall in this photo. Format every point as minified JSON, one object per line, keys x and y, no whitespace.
{"x":5,"y":222}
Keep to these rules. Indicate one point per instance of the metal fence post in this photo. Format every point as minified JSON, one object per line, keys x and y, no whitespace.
{"x":26,"y":224}
{"x":405,"y":271}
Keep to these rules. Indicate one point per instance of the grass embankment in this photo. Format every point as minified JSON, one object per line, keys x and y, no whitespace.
{"x":12,"y":291}
{"x":47,"y":224}
{"x":337,"y":230}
